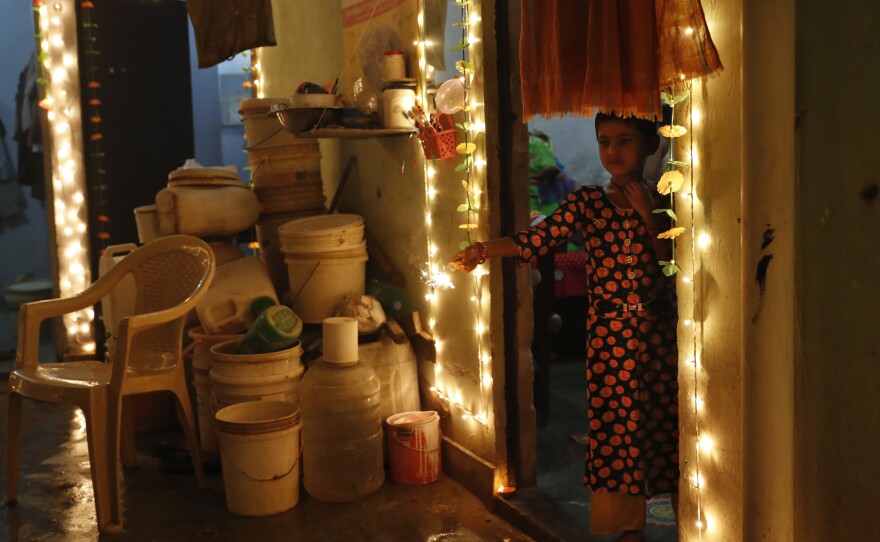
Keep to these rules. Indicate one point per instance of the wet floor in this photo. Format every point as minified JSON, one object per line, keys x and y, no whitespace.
{"x":56,"y":501}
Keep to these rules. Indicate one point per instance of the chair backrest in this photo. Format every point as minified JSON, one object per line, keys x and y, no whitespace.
{"x":168,"y":272}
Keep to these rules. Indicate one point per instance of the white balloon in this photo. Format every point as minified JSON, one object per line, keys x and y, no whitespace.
{"x":450,"y":97}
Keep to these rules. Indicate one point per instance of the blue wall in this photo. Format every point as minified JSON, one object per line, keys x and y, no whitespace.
{"x":25,"y":248}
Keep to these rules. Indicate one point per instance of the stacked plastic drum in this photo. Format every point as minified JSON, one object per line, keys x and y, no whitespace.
{"x":326,"y":257}
{"x":286,"y":177}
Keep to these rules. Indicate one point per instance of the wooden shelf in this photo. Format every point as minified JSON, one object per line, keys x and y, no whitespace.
{"x":354,"y":133}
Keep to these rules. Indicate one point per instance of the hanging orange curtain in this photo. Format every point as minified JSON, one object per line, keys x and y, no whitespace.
{"x":579,"y":56}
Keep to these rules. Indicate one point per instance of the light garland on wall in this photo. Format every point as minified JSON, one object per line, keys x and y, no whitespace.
{"x":472,"y":166}
{"x":671,"y":182}
{"x":56,"y":39}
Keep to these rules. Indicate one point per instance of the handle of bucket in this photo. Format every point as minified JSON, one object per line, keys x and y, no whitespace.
{"x":407,"y":445}
{"x":189,"y":349}
{"x":306,"y":283}
{"x":274,"y":478}
{"x":263,"y":160}
{"x":265,"y":139}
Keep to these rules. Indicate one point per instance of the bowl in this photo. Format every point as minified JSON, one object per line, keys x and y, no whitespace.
{"x":312,"y":100}
{"x":298,"y":120}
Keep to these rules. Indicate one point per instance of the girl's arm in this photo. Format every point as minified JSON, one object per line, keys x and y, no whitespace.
{"x":644,"y":204}
{"x":472,"y":256}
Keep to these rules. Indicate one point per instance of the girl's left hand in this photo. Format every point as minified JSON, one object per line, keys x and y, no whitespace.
{"x":640,"y":198}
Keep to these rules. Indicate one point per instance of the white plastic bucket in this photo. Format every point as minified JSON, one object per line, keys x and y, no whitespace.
{"x":414,"y":446}
{"x":274,"y":376}
{"x":260,"y":451}
{"x":261,"y":128}
{"x":317,"y":286}
{"x":321,"y":233}
{"x":147,"y":220}
{"x":201,"y":367}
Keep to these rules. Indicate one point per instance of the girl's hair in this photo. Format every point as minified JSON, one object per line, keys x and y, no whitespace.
{"x":648,"y":128}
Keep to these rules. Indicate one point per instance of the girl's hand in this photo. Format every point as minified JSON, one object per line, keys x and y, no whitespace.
{"x":466,"y":260}
{"x":641,"y":199}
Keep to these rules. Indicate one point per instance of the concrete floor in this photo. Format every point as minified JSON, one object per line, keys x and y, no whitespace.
{"x":56,"y":500}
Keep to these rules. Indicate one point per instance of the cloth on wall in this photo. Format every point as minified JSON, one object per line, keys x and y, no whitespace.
{"x":580,"y":56}
{"x":27,"y":132}
{"x":224,"y":28}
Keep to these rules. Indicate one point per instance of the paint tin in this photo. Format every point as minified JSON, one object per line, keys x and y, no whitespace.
{"x":414,"y":446}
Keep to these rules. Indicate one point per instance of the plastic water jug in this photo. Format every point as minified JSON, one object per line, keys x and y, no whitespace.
{"x":342,"y":427}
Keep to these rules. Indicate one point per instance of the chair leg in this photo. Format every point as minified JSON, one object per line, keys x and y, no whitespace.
{"x":103,"y":445}
{"x":128,"y":448}
{"x":185,"y":416}
{"x":13,"y":447}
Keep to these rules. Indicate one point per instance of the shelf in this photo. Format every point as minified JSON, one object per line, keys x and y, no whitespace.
{"x":354,"y":133}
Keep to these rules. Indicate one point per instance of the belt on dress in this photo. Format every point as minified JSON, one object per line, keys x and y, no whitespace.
{"x":653,"y":305}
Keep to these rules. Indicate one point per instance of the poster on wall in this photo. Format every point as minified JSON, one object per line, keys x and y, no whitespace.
{"x":370,"y":29}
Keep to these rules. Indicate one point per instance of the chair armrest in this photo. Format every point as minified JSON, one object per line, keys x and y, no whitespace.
{"x":32,"y":314}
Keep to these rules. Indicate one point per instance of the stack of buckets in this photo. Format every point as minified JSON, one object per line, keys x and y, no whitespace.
{"x":326,"y":257}
{"x":201,"y":367}
{"x":286,"y":177}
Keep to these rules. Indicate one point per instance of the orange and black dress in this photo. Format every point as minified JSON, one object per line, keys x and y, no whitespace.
{"x":632,"y":353}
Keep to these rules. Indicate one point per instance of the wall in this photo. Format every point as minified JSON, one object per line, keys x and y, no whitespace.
{"x":838,"y":429}
{"x":716,"y":309}
{"x":27,"y":242}
{"x":205,"y":107}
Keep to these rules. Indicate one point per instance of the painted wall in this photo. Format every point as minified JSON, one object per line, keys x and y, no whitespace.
{"x":838,"y":428}
{"x":26,"y":246}
{"x":206,"y":108}
{"x":386,"y":187}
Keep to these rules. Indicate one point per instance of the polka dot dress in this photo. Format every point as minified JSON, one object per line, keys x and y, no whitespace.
{"x":632,"y":354}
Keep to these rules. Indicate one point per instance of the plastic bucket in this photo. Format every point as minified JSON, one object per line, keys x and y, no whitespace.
{"x":317,"y":286}
{"x":260,"y":451}
{"x":270,"y":246}
{"x":414,"y":446}
{"x":298,"y":158}
{"x":147,"y":220}
{"x":201,"y":367}
{"x":286,"y":199}
{"x":321,"y":233}
{"x":230,"y":365}
{"x":235,"y":378}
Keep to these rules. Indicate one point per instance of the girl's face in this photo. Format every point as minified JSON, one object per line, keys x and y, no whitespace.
{"x":622,"y":149}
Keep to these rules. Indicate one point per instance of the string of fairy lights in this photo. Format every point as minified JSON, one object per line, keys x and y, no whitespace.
{"x":472,"y":166}
{"x":700,"y":240}
{"x":56,"y":40}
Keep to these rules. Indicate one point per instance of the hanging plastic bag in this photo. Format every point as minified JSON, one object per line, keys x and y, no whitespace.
{"x":224,"y":28}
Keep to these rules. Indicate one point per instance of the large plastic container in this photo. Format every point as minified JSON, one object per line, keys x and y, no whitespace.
{"x":396,"y":366}
{"x":342,"y":427}
{"x":206,"y":210}
{"x":147,"y":222}
{"x":226,"y":307}
{"x":201,"y":368}
{"x":239,"y":378}
{"x":260,"y":451}
{"x":291,"y":199}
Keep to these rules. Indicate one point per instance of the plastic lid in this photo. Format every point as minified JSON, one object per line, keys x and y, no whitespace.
{"x":260,"y":304}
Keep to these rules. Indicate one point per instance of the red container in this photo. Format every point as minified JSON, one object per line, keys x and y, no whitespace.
{"x":438,"y":145}
{"x":414,"y":446}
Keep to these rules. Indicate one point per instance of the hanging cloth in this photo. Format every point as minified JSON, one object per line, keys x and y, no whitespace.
{"x":224,"y":28}
{"x":580,"y":56}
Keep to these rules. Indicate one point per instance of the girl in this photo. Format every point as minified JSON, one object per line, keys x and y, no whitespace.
{"x":632,"y":354}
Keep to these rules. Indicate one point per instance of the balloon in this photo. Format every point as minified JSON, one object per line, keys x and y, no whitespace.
{"x":450,"y":97}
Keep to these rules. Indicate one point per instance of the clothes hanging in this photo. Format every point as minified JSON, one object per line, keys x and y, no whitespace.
{"x":224,"y":28}
{"x":580,"y":56}
{"x":27,"y":132}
